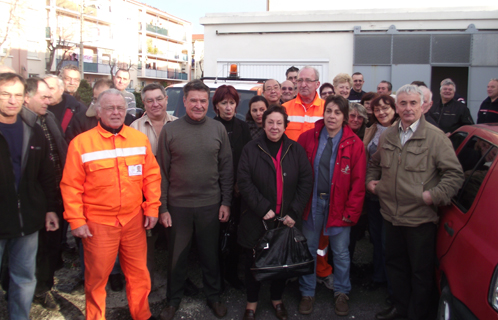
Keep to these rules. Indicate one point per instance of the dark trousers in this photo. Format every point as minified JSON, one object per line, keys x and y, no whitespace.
{"x":203,"y":224}
{"x":410,"y":255}
{"x":377,"y":237}
{"x":48,"y":257}
{"x":276,"y":288}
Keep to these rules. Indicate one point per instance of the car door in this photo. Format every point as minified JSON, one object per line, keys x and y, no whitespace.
{"x":476,"y":151}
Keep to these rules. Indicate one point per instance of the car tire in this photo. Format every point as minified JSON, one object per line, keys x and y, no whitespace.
{"x":445,"y":307}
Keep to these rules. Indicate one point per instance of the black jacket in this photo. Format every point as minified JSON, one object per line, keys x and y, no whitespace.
{"x":488,"y":112}
{"x":451,"y":115}
{"x":23,"y":211}
{"x":258,"y":186}
{"x":240,"y":137}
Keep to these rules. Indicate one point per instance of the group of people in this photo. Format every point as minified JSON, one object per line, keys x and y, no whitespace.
{"x":321,"y":163}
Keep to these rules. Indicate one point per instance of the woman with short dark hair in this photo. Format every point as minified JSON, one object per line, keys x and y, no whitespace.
{"x":275,"y":181}
{"x":225,"y":102}
{"x":365,"y":101}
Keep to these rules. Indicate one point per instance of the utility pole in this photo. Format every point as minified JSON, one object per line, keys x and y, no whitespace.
{"x":82,"y":19}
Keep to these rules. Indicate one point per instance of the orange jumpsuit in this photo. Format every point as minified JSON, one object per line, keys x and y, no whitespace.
{"x":301,"y":119}
{"x":103,"y":184}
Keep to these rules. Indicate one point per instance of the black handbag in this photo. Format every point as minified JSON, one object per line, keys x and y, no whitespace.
{"x":281,"y":253}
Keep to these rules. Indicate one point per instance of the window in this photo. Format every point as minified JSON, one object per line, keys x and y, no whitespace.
{"x":457,"y":139}
{"x":476,"y":157}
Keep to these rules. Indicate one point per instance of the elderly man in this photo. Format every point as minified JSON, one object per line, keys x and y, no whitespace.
{"x":449,"y":113}
{"x":272,"y":91}
{"x":288,"y":91}
{"x":385,"y":87}
{"x":27,"y":188}
{"x":109,"y":169}
{"x":49,"y":243}
{"x":121,"y":81}
{"x":488,"y":112}
{"x":71,"y":76}
{"x":307,"y":107}
{"x":87,"y":119}
{"x":62,"y":105}
{"x":356,"y":92}
{"x":427,"y":105}
{"x":196,"y":165}
{"x":291,"y":75}
{"x":414,"y":171}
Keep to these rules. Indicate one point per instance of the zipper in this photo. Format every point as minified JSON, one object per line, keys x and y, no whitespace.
{"x":284,"y":266}
{"x":20,"y":215}
{"x":281,"y":171}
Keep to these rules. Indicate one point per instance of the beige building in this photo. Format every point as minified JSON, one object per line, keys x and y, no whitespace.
{"x":153,"y":44}
{"x":197,"y":56}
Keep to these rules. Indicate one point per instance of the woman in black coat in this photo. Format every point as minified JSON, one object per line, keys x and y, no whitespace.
{"x":225,"y":102}
{"x":275,"y":181}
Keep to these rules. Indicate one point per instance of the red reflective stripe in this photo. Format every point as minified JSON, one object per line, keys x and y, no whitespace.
{"x":484,"y":110}
{"x":65,"y":121}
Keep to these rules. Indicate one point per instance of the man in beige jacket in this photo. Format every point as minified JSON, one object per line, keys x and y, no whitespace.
{"x":414,"y":171}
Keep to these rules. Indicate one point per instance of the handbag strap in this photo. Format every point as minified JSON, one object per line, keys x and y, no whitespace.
{"x":279,"y":219}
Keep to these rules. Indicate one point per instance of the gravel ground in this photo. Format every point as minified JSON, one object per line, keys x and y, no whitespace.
{"x":363,"y":304}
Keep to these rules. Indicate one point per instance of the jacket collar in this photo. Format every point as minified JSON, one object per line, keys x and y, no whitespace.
{"x":347,"y":133}
{"x":106,"y":134}
{"x":316,"y":101}
{"x":392,"y":136}
{"x":28,"y":116}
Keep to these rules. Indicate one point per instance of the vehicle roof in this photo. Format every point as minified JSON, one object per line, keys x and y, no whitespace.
{"x":239,"y":85}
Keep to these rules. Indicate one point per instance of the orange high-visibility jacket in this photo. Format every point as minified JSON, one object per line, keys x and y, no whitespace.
{"x":107,"y":175}
{"x":300,"y":119}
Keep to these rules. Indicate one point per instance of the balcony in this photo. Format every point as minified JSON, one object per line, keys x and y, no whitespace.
{"x":91,"y":67}
{"x":156,"y":29}
{"x":163,"y":74}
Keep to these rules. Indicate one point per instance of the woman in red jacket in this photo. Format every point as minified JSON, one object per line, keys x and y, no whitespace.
{"x":338,"y":159}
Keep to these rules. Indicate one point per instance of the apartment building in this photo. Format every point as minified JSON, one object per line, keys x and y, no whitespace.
{"x":154,"y":45}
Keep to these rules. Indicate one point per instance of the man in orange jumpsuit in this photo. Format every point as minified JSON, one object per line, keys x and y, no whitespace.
{"x":108,"y":171}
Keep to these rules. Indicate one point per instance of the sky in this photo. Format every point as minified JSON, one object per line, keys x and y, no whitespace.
{"x":192,"y":10}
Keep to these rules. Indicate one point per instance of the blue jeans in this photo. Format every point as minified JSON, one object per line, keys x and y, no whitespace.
{"x":338,"y":244}
{"x":22,"y":266}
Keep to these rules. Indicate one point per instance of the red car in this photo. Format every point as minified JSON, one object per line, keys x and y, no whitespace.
{"x":467,"y":240}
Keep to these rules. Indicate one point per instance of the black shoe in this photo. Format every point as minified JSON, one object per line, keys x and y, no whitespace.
{"x":219,"y":309}
{"x":390,"y":313}
{"x":116,"y":282}
{"x":280,"y":311}
{"x":190,"y":289}
{"x":47,"y":300}
{"x":168,"y":313}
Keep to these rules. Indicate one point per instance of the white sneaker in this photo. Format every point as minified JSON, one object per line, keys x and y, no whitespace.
{"x":328,"y":281}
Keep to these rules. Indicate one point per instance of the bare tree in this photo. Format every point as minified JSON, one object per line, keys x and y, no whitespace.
{"x":12,"y":24}
{"x":116,"y":65}
{"x":53,"y":47}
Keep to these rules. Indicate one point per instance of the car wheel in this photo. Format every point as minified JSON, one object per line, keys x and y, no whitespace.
{"x":445,"y":308}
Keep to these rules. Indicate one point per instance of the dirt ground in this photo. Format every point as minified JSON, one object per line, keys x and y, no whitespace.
{"x":72,"y":302}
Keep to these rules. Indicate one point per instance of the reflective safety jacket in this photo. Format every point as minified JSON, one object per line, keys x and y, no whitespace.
{"x":300,"y":119}
{"x":106,"y":176}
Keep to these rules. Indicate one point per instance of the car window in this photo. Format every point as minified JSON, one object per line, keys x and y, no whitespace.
{"x":176,"y":107}
{"x":457,"y":139}
{"x":476,"y":157}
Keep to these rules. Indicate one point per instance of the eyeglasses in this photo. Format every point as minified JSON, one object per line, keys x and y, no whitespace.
{"x":307,"y":81}
{"x":72,"y":79}
{"x":158,"y":100}
{"x":287,"y":89}
{"x":111,"y":109}
{"x":384,"y":109}
{"x":7,"y":96}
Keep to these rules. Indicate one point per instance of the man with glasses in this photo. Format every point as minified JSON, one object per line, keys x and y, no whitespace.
{"x":307,"y":107}
{"x":109,"y":170}
{"x":27,"y":188}
{"x":288,"y":91}
{"x":356,"y":92}
{"x":71,"y":76}
{"x":272,"y":91}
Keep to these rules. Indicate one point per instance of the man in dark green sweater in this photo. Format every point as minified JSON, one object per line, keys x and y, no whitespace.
{"x":196,"y":191}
